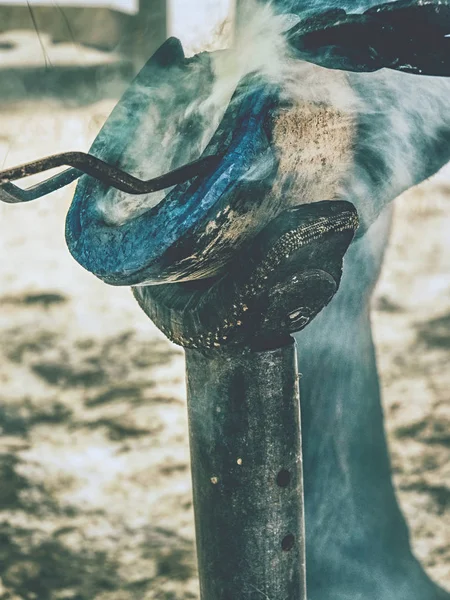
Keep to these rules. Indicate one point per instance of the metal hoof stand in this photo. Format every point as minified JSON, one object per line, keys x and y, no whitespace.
{"x":246,"y":460}
{"x":243,"y":398}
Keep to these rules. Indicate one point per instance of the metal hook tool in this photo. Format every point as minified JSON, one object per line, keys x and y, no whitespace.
{"x":83,"y":163}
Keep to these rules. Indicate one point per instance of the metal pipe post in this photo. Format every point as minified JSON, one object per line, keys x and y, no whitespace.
{"x":246,"y":457}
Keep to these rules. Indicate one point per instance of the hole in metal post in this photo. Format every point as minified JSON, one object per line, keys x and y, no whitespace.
{"x":283,"y":478}
{"x":288,"y":542}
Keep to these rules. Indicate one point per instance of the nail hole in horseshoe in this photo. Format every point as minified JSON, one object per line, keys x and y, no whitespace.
{"x":283,"y":478}
{"x":288,"y":542}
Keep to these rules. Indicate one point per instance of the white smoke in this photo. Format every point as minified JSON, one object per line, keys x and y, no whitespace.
{"x":262,"y":50}
{"x":400,"y":119}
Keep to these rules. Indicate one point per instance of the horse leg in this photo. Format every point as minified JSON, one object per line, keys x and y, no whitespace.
{"x":357,"y":540}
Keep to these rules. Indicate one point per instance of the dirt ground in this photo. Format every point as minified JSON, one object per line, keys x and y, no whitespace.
{"x":95,"y":498}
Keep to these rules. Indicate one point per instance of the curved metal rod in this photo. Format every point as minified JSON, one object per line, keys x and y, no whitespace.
{"x":99,"y":169}
{"x":13,"y":194}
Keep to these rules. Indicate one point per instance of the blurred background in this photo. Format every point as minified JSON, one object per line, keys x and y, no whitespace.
{"x":95,"y":498}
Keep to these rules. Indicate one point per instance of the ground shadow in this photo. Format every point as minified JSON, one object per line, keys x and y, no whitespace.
{"x":52,"y":549}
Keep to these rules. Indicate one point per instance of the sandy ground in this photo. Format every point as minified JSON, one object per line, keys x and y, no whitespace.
{"x":95,"y":498}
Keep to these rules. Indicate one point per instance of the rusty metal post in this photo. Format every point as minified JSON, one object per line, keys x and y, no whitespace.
{"x":246,"y":457}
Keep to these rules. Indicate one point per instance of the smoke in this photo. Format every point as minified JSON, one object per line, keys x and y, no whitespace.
{"x":363,"y":137}
{"x":184,"y":114}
